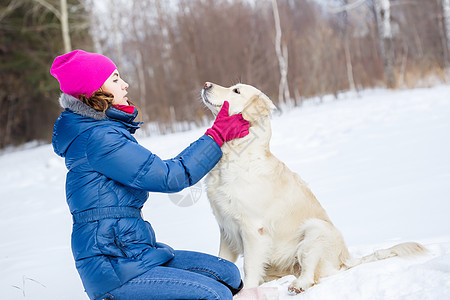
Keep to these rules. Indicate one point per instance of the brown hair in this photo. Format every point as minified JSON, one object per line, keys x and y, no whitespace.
{"x":99,"y":100}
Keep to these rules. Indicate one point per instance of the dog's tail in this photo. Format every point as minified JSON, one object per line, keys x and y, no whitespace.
{"x":401,"y":250}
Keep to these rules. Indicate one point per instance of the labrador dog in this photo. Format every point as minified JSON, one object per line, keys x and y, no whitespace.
{"x":267,"y":212}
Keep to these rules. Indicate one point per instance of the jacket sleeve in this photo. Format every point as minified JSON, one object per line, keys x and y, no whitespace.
{"x":112,"y":154}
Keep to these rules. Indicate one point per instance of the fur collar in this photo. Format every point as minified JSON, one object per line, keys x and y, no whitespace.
{"x":78,"y":107}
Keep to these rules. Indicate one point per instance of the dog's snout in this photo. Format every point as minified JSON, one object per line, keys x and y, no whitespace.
{"x":207,"y":85}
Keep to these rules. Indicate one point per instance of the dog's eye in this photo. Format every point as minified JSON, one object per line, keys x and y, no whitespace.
{"x":236,"y":90}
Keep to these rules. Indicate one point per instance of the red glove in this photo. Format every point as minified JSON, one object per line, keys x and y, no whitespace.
{"x":226,"y":127}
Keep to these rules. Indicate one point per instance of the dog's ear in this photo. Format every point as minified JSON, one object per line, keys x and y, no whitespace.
{"x":258,"y":106}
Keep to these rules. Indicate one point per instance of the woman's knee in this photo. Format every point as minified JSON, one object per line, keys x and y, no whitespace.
{"x":206,"y":264}
{"x":232,"y":276}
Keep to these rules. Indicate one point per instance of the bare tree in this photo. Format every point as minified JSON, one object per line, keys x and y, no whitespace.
{"x":167,"y":49}
{"x":446,"y":13}
{"x":446,"y":45}
{"x":346,"y":7}
{"x":63,"y":17}
{"x":12,"y":5}
{"x":348,"y":57}
{"x":383,"y":13}
{"x":30,"y":38}
{"x":282,"y":55}
{"x":174,"y":46}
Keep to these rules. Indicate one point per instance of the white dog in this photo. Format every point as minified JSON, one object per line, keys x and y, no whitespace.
{"x":267,"y":212}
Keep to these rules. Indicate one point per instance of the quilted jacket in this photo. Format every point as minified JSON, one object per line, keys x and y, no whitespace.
{"x":108,"y":180}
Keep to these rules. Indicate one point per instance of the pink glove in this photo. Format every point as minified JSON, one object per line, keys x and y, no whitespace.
{"x":226,"y":127}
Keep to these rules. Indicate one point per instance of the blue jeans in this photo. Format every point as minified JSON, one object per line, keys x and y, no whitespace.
{"x":189,"y":275}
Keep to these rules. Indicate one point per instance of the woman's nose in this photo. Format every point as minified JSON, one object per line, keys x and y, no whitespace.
{"x":125,"y":85}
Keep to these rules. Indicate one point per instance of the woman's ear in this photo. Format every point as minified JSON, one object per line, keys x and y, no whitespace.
{"x":258,"y":106}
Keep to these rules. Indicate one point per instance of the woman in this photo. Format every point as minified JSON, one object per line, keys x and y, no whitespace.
{"x":109,"y":176}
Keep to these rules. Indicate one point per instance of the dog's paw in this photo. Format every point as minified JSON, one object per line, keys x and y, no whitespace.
{"x":299,"y":286}
{"x":294,"y":291}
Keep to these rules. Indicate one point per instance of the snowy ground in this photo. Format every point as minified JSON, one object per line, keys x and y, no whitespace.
{"x":379,"y":164}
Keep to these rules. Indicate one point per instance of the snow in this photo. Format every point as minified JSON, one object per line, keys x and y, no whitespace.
{"x":379,"y":164}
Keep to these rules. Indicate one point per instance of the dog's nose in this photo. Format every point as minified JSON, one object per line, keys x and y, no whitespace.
{"x":207,"y":85}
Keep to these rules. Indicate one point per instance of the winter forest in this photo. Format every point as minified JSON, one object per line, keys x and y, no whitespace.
{"x":166,"y":50}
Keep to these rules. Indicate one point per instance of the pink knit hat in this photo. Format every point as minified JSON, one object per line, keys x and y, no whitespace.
{"x":80,"y":72}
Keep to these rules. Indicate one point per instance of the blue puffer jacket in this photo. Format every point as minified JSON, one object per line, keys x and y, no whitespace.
{"x":108,"y":181}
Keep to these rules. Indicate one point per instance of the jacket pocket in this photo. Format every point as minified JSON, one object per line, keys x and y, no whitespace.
{"x":123,"y":248}
{"x":108,"y":240}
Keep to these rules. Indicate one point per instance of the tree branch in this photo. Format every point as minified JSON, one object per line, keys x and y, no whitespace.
{"x":50,"y":7}
{"x":347,"y":7}
{"x":9,"y":9}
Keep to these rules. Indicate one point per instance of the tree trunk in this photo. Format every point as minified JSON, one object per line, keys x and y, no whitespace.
{"x":282,"y":54}
{"x":65,"y":26}
{"x":348,"y":61}
{"x":63,"y":16}
{"x":348,"y":57}
{"x":446,"y":13}
{"x":382,"y":8}
{"x":446,"y":46}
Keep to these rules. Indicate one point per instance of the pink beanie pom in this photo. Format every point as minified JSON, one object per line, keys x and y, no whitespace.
{"x":80,"y":72}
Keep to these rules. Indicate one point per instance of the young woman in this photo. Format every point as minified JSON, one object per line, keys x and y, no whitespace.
{"x":108,"y":180}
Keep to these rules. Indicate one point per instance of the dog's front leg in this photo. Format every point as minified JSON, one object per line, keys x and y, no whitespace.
{"x":256,"y":249}
{"x":226,"y":251}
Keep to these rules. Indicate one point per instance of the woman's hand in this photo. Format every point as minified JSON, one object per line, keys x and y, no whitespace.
{"x":226,"y":127}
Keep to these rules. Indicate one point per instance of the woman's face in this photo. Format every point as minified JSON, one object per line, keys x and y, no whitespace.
{"x":117,"y":87}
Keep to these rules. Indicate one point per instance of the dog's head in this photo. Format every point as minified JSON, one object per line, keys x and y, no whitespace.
{"x":248,"y":100}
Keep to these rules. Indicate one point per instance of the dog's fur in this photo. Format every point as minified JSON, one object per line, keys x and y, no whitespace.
{"x":267,"y":212}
